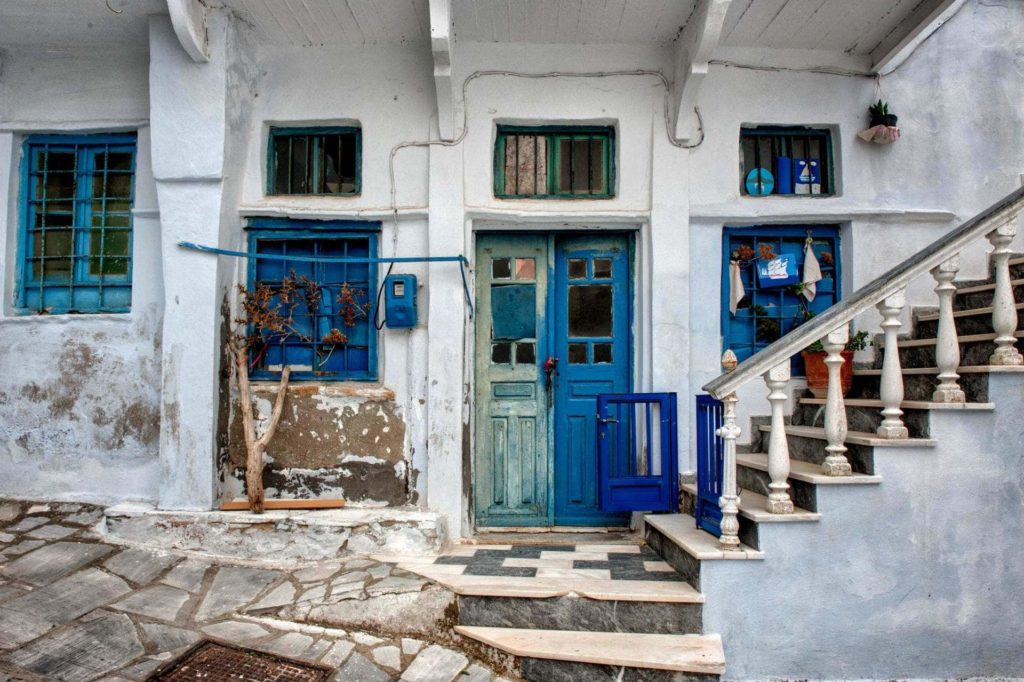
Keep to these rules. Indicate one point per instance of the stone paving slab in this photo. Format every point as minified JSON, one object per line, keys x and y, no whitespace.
{"x":83,"y":653}
{"x":83,"y":609}
{"x":48,"y":563}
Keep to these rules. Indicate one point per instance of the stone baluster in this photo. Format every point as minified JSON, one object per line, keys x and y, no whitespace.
{"x":835,"y":463}
{"x":947,"y":347}
{"x":729,"y":502}
{"x":1004,"y":309}
{"x":779,"y":501}
{"x":891,"y":382}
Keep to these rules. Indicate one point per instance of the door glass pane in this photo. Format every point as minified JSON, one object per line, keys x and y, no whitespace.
{"x":501,"y":353}
{"x":514,"y":311}
{"x":577,"y":268}
{"x":526,"y":268}
{"x":501,"y":268}
{"x":577,"y":353}
{"x":602,"y":352}
{"x":526,"y":353}
{"x":602,"y":268}
{"x":590,"y":310}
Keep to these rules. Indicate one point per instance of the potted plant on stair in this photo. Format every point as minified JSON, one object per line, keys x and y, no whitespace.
{"x":817,"y":371}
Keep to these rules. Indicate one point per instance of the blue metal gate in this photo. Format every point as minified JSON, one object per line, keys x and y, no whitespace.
{"x":709,"y":464}
{"x":638,"y":448}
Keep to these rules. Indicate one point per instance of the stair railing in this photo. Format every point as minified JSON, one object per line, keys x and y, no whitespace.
{"x":941,"y":258}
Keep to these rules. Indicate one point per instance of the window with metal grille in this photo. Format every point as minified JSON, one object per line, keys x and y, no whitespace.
{"x":76,"y":236}
{"x":554,"y":163}
{"x":320,"y":161}
{"x":766,"y":313}
{"x":332,"y":336}
{"x":791,"y":160}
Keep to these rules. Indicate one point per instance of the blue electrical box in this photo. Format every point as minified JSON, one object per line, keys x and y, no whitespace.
{"x":400,"y":301}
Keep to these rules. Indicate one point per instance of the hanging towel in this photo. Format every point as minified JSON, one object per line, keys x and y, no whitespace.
{"x":736,"y":290}
{"x":812,"y":271}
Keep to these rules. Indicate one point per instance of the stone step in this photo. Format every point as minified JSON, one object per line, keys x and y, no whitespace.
{"x":919,"y":382}
{"x":684,"y":546}
{"x":804,"y":477}
{"x":980,"y":295}
{"x":975,"y":349}
{"x":575,"y":613}
{"x":661,"y":591}
{"x":753,"y":512}
{"x":864,"y":414}
{"x":969,"y":321}
{"x":540,"y":649}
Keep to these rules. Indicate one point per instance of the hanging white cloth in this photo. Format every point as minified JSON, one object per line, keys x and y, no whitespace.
{"x":736,"y":290}
{"x":812,"y":271}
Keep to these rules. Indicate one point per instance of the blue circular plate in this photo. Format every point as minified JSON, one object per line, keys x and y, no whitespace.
{"x":767,"y":182}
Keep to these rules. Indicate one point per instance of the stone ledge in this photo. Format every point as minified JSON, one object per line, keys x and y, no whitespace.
{"x":283,"y":535}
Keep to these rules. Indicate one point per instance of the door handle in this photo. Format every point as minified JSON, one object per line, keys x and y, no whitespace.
{"x":550,"y":367}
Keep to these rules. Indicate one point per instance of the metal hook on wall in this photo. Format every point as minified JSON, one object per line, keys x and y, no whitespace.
{"x":115,"y":11}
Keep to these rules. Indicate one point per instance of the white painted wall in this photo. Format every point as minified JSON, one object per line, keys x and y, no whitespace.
{"x":79,"y":394}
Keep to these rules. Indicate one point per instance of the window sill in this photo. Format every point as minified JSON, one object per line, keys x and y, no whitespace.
{"x":29,"y":317}
{"x":334,"y":389}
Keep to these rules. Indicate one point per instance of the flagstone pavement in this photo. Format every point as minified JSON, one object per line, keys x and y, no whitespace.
{"x":76,"y":607}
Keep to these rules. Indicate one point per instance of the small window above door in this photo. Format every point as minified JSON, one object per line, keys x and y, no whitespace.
{"x":314,"y":161}
{"x":575,"y":162}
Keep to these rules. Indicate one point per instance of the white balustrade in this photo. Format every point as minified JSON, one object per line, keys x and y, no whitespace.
{"x":729,"y":502}
{"x":835,"y":463}
{"x":891,"y":382}
{"x":1004,"y":309}
{"x":779,"y":501}
{"x":947,"y":347}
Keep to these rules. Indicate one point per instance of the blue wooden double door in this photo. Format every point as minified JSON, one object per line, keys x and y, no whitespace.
{"x":553,"y":331}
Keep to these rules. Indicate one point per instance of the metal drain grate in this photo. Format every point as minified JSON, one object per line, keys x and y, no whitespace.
{"x":213,"y":662}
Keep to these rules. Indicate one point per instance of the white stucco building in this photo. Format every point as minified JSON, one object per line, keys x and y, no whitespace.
{"x":595,"y":163}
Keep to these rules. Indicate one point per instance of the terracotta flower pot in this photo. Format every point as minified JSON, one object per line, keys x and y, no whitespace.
{"x":817,"y":372}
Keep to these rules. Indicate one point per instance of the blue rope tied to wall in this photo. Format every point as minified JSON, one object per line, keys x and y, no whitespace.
{"x":461,"y":260}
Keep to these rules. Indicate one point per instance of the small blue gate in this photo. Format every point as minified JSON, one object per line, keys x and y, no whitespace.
{"x":709,"y":464}
{"x":638,"y":448}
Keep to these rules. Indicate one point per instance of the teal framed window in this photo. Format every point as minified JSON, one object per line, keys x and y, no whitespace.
{"x":333,"y":337}
{"x":786,"y":160}
{"x":576,"y":162}
{"x":766,"y":312}
{"x":77,"y":193}
{"x":315,"y":161}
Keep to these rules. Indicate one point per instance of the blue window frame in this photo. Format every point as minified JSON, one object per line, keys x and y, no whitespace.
{"x":321,"y":161}
{"x":767,"y":313}
{"x":77,"y":193}
{"x":348,"y":294}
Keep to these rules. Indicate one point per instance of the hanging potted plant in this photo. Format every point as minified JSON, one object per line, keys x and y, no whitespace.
{"x":880,"y":116}
{"x":817,"y":371}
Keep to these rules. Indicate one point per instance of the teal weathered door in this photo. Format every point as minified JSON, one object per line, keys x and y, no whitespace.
{"x":511,"y":477}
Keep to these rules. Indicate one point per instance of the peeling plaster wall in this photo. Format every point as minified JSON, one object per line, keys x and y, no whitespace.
{"x":79,"y":394}
{"x":330,"y":443}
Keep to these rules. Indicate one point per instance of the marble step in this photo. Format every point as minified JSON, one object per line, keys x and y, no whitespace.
{"x":804,"y":477}
{"x":573,"y":613}
{"x":576,"y":585}
{"x":864,"y":415}
{"x":968,"y":321}
{"x":754,"y":512}
{"x":975,"y":349}
{"x":852,"y":438}
{"x":919,"y":382}
{"x":684,"y":546}
{"x":702,"y":654}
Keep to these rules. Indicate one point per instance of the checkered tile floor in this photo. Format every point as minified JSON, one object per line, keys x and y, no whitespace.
{"x":595,"y":561}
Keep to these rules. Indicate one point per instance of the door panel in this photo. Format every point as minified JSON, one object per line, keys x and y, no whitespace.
{"x":511,"y":455}
{"x":591,"y":337}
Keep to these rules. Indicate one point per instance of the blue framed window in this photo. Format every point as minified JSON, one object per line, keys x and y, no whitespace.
{"x":767,"y":313}
{"x":314,"y":161}
{"x":77,"y":194}
{"x":554,"y":162}
{"x":347,"y":294}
